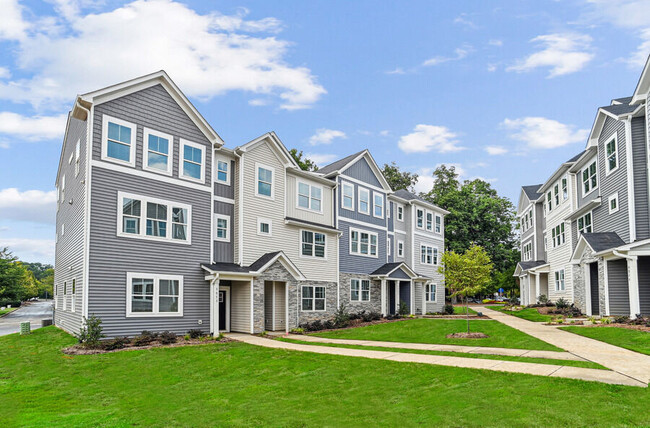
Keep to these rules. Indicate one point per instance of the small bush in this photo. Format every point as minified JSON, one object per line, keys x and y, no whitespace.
{"x":13,"y":303}
{"x":195,"y":333}
{"x":117,"y":343}
{"x":403,"y":308}
{"x":145,"y":338}
{"x":543,"y":300}
{"x":328,"y":325}
{"x":341,"y":317}
{"x":354,"y":316}
{"x":167,"y":337}
{"x":561,"y":303}
{"x":316,"y":325}
{"x":298,"y":330}
{"x":448,"y":309}
{"x":91,"y":332}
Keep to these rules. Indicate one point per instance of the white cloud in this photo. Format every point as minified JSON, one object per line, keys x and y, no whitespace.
{"x":206,"y":54}
{"x":384,"y":133}
{"x":492,"y":67}
{"x":4,"y":73}
{"x":30,"y":250}
{"x":496,"y":150}
{"x":321,"y":159}
{"x":30,"y":128}
{"x":562,"y":53}
{"x":462,"y":20}
{"x":459,"y":53}
{"x":398,"y":70}
{"x":543,"y":133}
{"x":640,"y":56}
{"x":325,"y":136}
{"x":495,"y":42}
{"x":426,"y":138}
{"x":30,"y":205}
{"x":12,"y":25}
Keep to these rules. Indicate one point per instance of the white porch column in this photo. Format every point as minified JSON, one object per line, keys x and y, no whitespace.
{"x":398,"y":284}
{"x":214,"y":306}
{"x":384,"y":296}
{"x":412,"y":294}
{"x":424,"y":296}
{"x":537,"y":286}
{"x":633,"y":284}
{"x":252,"y":305}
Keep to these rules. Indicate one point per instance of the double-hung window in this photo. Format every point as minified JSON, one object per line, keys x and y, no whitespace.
{"x":613,"y":203}
{"x":193,"y":162}
{"x":400,"y":213}
{"x":549,"y":202}
{"x":589,"y":178}
{"x":558,"y":235}
{"x":363,"y":243}
{"x":378,"y":205}
{"x":359,"y":290}
{"x":179,"y":223}
{"x":131,"y":213}
{"x":313,"y":298}
{"x":612,"y":155}
{"x":430,"y":292}
{"x":312,"y":244}
{"x":428,"y":255}
{"x":438,"y":224}
{"x":223,"y":171}
{"x":429,"y":221}
{"x":154,"y":295}
{"x":400,"y":248}
{"x":347,"y":196}
{"x":118,"y":140}
{"x":419,"y":221}
{"x":556,"y":192}
{"x":584,"y":224}
{"x":221,"y":227}
{"x":77,"y":157}
{"x":156,"y":219}
{"x":150,"y":218}
{"x":364,"y":201}
{"x":388,"y":245}
{"x":559,"y":280}
{"x":565,"y":189}
{"x":264,"y":185}
{"x":157,"y":151}
{"x":309,"y":196}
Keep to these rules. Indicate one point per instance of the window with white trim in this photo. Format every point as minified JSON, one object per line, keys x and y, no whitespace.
{"x":613,"y":203}
{"x":565,"y":189}
{"x":313,"y":298}
{"x":65,"y":296}
{"x":528,"y":251}
{"x":162,"y":220}
{"x":312,"y":244}
{"x":359,"y":290}
{"x":388,"y":243}
{"x":612,"y":155}
{"x":419,"y":222}
{"x":223,"y":171}
{"x":429,"y":221}
{"x":264,"y":180}
{"x":77,"y":157}
{"x":73,"y":297}
{"x":428,"y":255}
{"x":400,"y":213}
{"x":558,"y":235}
{"x":430,"y":292}
{"x":584,"y":224}
{"x":264,"y":226}
{"x":438,"y":224}
{"x":347,"y":195}
{"x":559,"y":280}
{"x":549,"y":202}
{"x":309,"y":196}
{"x":378,"y":205}
{"x":364,"y":200}
{"x":363,"y":243}
{"x":154,"y":295}
{"x":400,"y":248}
{"x":193,"y":161}
{"x":158,"y":151}
{"x":118,"y":140}
{"x":589,"y":178}
{"x":222,"y":227}
{"x":556,"y":192}
{"x":63,"y":188}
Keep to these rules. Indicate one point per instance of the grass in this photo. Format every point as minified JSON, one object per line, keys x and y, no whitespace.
{"x":586,"y":364}
{"x":425,"y":330}
{"x":461,"y":310}
{"x":238,"y":384}
{"x":529,"y":314}
{"x":633,"y":340}
{"x":6,"y":311}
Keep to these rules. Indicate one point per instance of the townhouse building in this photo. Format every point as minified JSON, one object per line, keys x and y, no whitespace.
{"x":606,"y":220}
{"x":161,"y":227}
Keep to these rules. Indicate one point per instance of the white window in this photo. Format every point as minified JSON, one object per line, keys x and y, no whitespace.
{"x":309,"y":197}
{"x":400,"y":213}
{"x":77,"y":157}
{"x":73,"y":297}
{"x":438,"y":224}
{"x":63,"y":188}
{"x":363,"y":243}
{"x":347,"y":195}
{"x":400,"y":248}
{"x":193,"y":161}
{"x":528,"y":251}
{"x":154,"y":295}
{"x":312,"y":244}
{"x":62,"y":229}
{"x":613,"y":203}
{"x":221,"y":227}
{"x":158,"y":151}
{"x":612,"y":156}
{"x":378,"y":205}
{"x":549,"y":202}
{"x":156,"y":219}
{"x":420,"y":219}
{"x":584,"y":224}
{"x":223,"y":171}
{"x":556,"y":192}
{"x":565,"y":189}
{"x":313,"y":298}
{"x":264,"y":226}
{"x":558,"y":235}
{"x":264,"y":181}
{"x":359,"y":290}
{"x":388,"y":243}
{"x":589,"y":179}
{"x":428,"y":255}
{"x":364,"y":200}
{"x":559,"y":280}
{"x":430,"y":292}
{"x":429,"y":222}
{"x":118,"y":140}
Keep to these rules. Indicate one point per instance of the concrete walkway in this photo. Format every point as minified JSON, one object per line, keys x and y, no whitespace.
{"x":625,"y":362}
{"x":447,"y":348}
{"x":476,"y":363}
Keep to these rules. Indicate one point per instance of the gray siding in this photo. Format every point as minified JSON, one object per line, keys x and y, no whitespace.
{"x":582,"y":200}
{"x":351,"y":263}
{"x":404,"y":294}
{"x":619,"y":292}
{"x":639,"y":161}
{"x":362,"y":171}
{"x":390,"y":220}
{"x":356,"y":215}
{"x":223,"y":251}
{"x":226,"y":190}
{"x":399,"y":273}
{"x":644,"y":284}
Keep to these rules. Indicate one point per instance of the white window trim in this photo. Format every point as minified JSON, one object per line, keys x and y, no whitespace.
{"x":400,"y":217}
{"x":143,"y":218}
{"x":427,"y":296}
{"x":145,"y":151}
{"x":73,"y":295}
{"x":314,"y":244}
{"x":313,"y":299}
{"x":156,"y":294}
{"x":310,"y":209}
{"x":609,"y":204}
{"x":218,"y":159}
{"x":591,"y":214}
{"x":181,"y":160}
{"x":400,"y":251}
{"x":435,"y":218}
{"x":77,"y":157}
{"x":360,"y":231}
{"x":257,"y":179}
{"x":268,"y":221}
{"x":434,"y":251}
{"x":424,"y":218}
{"x":618,"y":160}
{"x":582,"y":182}
{"x":564,"y":198}
{"x":389,"y":241}
{"x":62,"y":229}
{"x":364,"y":190}
{"x":560,"y":278}
{"x":383,"y":204}
{"x":360,"y":299}
{"x":433,"y":221}
{"x":228,"y":227}
{"x":105,"y":157}
{"x":343,"y":185}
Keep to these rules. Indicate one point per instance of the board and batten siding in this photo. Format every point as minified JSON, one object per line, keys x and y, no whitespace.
{"x":639,"y":162}
{"x":325,"y":217}
{"x":361,"y":170}
{"x":619,"y":292}
{"x":70,"y":247}
{"x":283,"y":236}
{"x":223,"y":251}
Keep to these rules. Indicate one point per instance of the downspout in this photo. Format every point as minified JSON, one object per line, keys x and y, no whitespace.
{"x":240,"y":221}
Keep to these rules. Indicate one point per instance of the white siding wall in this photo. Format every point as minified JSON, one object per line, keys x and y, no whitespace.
{"x":559,"y":257}
{"x":240,"y":306}
{"x":326,"y":217}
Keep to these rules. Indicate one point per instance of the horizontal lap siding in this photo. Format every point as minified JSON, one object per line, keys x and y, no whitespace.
{"x":583,"y":200}
{"x":644,"y":284}
{"x":356,"y":215}
{"x":240,"y":307}
{"x":352,"y":263}
{"x":226,"y":190}
{"x":559,"y":257}
{"x":639,"y":160}
{"x":619,"y":292}
{"x":223,"y":251}
{"x":325,"y":218}
{"x":430,"y":271}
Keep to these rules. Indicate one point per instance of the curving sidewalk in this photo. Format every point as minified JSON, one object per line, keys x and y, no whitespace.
{"x":623,"y":361}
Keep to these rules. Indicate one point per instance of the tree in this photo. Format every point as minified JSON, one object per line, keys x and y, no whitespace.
{"x":305,"y":164}
{"x":16,"y":282}
{"x":39,"y":269}
{"x":399,"y":179}
{"x":466,"y":274}
{"x":46,"y":285}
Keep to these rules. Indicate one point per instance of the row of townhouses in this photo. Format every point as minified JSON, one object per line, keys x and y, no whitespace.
{"x":585,"y":232}
{"x":160,"y":226}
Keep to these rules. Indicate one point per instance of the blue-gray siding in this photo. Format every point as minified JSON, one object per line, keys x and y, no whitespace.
{"x":399,"y":273}
{"x":644,"y":284}
{"x":227,"y":190}
{"x":362,"y":171}
{"x":223,"y":251}
{"x":350,"y":263}
{"x":356,"y":215}
{"x":639,"y":161}
{"x":619,"y":292}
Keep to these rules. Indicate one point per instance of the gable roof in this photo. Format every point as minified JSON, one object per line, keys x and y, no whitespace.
{"x":387,"y":269}
{"x":558,"y":172}
{"x":339,"y":164}
{"x":336,"y":168}
{"x":277,"y":144}
{"x":412,"y":197}
{"x":643,"y":85}
{"x":527,"y":265}
{"x":531,"y":191}
{"x":258,"y":267}
{"x":598,"y":242}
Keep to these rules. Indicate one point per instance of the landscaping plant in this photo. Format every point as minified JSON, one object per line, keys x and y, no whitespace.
{"x":91,"y":332}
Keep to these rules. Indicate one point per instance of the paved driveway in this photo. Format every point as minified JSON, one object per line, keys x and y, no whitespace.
{"x":36,"y":312}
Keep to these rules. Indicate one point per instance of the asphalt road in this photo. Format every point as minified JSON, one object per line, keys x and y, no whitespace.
{"x":35,"y":312}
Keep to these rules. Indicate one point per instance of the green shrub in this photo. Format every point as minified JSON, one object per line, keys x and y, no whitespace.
{"x":448,"y":309}
{"x":403,"y":308}
{"x":145,"y":338}
{"x":329,"y":325}
{"x":167,"y":337}
{"x":91,"y":332}
{"x":117,"y":343}
{"x":543,"y":300}
{"x":195,"y":333}
{"x":12,"y":303}
{"x":341,"y":317}
{"x":561,"y":303}
{"x":297,"y":330}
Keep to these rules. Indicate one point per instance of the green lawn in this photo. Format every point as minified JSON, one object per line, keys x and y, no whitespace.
{"x":529,"y":314}
{"x":237,"y":384}
{"x":6,"y":311}
{"x":633,"y":340}
{"x":426,"y":330}
{"x":462,"y":310}
{"x":586,"y":364}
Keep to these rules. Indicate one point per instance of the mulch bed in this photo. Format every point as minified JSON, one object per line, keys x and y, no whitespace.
{"x":453,"y":317}
{"x":467,"y":336}
{"x":355,"y":324}
{"x":626,"y":326}
{"x":80,"y":350}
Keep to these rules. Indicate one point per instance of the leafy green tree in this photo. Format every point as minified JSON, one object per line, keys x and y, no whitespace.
{"x":399,"y":179}
{"x":46,"y":285}
{"x":466,"y":274}
{"x":39,"y":269}
{"x":16,"y":282}
{"x":305,"y":164}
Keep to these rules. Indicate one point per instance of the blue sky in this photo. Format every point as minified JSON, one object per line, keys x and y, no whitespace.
{"x":505,"y":90}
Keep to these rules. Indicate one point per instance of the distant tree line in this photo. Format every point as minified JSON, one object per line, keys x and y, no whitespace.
{"x":21,"y":281}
